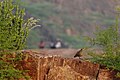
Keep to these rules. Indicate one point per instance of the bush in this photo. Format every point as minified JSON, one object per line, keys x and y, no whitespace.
{"x":109,"y":40}
{"x":13,"y":33}
{"x":13,"y":28}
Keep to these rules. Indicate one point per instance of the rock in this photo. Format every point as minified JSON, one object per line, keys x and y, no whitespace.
{"x":107,"y":74}
{"x":59,"y":68}
{"x":65,"y":73}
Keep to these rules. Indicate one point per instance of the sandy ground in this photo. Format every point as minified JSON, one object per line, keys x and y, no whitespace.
{"x":66,"y":53}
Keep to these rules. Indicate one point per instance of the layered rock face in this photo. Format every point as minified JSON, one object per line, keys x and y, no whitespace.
{"x":42,"y":67}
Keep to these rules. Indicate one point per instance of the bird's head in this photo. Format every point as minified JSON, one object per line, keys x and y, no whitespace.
{"x":81,"y":49}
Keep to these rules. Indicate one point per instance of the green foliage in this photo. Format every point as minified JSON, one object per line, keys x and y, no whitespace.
{"x":13,"y":28}
{"x":13,"y":33}
{"x":109,"y":40}
{"x":9,"y":66}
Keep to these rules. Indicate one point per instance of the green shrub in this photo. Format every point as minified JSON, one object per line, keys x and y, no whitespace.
{"x":13,"y":28}
{"x":13,"y":33}
{"x":109,"y":41}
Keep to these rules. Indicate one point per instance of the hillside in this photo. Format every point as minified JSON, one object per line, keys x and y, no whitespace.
{"x":69,"y":20}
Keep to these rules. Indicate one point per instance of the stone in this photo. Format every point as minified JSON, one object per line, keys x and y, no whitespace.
{"x":66,"y":73}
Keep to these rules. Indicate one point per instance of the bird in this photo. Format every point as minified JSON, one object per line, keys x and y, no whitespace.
{"x":78,"y":53}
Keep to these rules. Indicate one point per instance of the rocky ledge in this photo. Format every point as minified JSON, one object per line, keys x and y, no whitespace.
{"x":44,"y":67}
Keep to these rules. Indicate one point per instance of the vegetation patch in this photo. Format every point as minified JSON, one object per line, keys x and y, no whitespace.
{"x":13,"y":33}
{"x":109,"y":41}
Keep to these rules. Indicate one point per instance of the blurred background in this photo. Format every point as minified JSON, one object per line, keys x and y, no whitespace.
{"x":68,"y":20}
